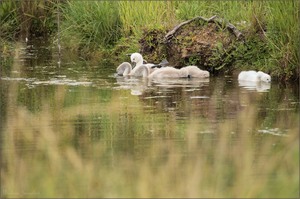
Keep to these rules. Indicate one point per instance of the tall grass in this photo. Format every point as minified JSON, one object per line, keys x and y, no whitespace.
{"x":21,"y":20}
{"x":90,"y":24}
{"x":27,"y":18}
{"x":139,"y":15}
{"x":283,"y":34}
{"x":8,"y":20}
{"x":234,"y":11}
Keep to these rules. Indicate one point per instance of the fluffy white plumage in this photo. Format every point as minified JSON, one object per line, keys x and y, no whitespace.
{"x":138,"y":62}
{"x":194,"y":71}
{"x":165,"y":72}
{"x":124,"y":69}
{"x":254,"y":76}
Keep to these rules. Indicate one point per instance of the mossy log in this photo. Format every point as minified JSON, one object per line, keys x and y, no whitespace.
{"x":213,"y":19}
{"x":210,"y":44}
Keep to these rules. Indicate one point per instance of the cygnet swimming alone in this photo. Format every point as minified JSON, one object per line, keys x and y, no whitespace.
{"x":194,"y":71}
{"x":166,"y":72}
{"x":138,"y":61}
{"x":254,"y":76}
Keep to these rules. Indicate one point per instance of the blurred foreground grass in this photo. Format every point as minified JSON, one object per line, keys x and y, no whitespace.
{"x":228,"y":166}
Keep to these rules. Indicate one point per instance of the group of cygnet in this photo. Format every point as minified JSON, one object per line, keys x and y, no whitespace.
{"x":152,"y":71}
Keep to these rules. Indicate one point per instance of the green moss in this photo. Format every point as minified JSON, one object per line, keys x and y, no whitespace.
{"x":152,"y":45}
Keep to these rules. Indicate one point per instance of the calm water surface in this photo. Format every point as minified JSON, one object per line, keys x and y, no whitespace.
{"x":87,"y":105}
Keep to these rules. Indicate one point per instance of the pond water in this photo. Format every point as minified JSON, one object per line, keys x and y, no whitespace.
{"x":104,"y":118}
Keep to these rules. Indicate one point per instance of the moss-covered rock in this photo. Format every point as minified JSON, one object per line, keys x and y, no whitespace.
{"x":152,"y":44}
{"x":207,"y":43}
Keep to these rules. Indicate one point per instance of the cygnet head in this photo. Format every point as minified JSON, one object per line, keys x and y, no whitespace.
{"x":136,"y":59}
{"x":124,"y":69}
{"x":204,"y":73}
{"x":264,"y":76}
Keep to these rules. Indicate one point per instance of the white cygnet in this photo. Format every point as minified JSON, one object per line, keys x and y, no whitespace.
{"x":254,"y":76}
{"x":138,"y":61}
{"x":196,"y":72}
{"x":166,"y":72}
{"x":124,"y":69}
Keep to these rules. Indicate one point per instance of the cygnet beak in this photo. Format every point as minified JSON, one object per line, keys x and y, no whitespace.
{"x":133,"y":64}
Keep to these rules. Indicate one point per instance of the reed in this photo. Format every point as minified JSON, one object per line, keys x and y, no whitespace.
{"x":234,"y":11}
{"x":284,"y":36}
{"x":90,"y":24}
{"x":139,"y":15}
{"x":26,"y":19}
{"x":8,"y":20}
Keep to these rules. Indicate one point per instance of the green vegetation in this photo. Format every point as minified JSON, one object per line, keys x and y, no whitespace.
{"x":20,"y":19}
{"x":57,"y":129}
{"x":97,"y":29}
{"x":90,"y":24}
{"x":283,"y":36}
{"x":234,"y":11}
{"x":139,"y":15}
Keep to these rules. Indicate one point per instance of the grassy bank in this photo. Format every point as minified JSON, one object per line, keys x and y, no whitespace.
{"x":99,"y":29}
{"x":90,"y":25}
{"x":27,"y":19}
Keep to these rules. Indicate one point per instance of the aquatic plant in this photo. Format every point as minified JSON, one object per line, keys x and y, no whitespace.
{"x":25,"y":21}
{"x":27,"y":18}
{"x":8,"y":20}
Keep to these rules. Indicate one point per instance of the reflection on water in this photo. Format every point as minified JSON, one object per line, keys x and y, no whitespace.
{"x":140,"y":85}
{"x":258,"y":86}
{"x":86,"y":117}
{"x":59,"y":80}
